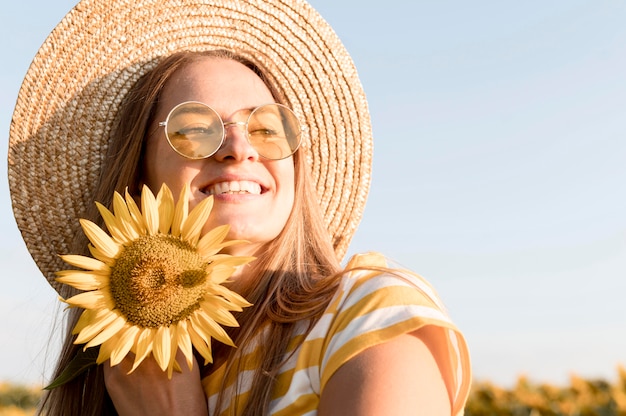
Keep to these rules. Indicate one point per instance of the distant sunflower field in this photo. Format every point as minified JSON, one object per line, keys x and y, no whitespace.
{"x":581,"y":397}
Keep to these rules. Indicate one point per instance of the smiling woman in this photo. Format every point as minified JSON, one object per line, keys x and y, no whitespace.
{"x":257,"y":109}
{"x":233,"y":90}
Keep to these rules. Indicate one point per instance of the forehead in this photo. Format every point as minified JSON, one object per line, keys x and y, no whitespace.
{"x":224,"y":84}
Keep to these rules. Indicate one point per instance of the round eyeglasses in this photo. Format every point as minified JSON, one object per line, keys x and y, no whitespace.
{"x":196,"y":131}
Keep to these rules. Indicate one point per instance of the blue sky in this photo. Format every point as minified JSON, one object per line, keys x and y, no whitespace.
{"x":498,"y":174}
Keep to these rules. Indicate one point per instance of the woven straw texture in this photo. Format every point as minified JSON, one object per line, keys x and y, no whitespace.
{"x":72,"y":90}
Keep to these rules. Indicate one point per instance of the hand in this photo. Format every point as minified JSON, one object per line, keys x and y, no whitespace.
{"x":148,"y":391}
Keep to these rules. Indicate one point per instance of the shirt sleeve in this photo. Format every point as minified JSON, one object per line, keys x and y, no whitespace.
{"x":376,"y":304}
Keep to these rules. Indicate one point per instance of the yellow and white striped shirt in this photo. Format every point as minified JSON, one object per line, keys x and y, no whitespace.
{"x":369,"y":308}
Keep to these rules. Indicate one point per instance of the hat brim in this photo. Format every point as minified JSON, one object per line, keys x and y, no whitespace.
{"x":74,"y":86}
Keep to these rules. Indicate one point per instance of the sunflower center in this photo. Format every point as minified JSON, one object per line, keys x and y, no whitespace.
{"x":158,"y":280}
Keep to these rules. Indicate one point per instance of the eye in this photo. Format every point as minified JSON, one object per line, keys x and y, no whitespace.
{"x":195,"y":132}
{"x":263,"y":132}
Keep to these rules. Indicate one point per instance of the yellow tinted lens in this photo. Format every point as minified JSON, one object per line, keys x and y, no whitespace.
{"x":274,"y":131}
{"x":194,"y":130}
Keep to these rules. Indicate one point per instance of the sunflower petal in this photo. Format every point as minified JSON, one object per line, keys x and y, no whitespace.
{"x":109,"y":331}
{"x":105,"y":350}
{"x":180,"y":212}
{"x":144,"y":344}
{"x":99,"y":255}
{"x":224,"y":260}
{"x":208,"y":251}
{"x":202,"y":345}
{"x":84,"y":262}
{"x":195,"y":221}
{"x":173,"y":348}
{"x":165,"y":203}
{"x":229,"y":295}
{"x":150,"y":211}
{"x":135,"y":213}
{"x":111,"y":223}
{"x":83,"y":321}
{"x":87,"y":300}
{"x":124,"y":343}
{"x":130,"y":229}
{"x":218,"y":314}
{"x":184,"y":343}
{"x":82,"y":280}
{"x":162,"y":347}
{"x":100,"y":239}
{"x":210,"y":327}
{"x":211,"y":242}
{"x":220,"y":272}
{"x":101,"y":320}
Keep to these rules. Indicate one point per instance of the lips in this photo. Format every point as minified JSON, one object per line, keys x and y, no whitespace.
{"x":234,"y":187}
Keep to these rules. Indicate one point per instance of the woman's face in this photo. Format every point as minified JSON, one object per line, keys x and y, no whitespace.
{"x":252,"y":194}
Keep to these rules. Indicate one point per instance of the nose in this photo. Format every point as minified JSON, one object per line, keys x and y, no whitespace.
{"x":236,"y":145}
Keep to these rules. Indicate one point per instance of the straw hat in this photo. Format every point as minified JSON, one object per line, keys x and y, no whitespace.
{"x":73,"y":88}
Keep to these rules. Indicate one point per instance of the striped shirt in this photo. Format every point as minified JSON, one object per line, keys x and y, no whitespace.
{"x":369,"y":308}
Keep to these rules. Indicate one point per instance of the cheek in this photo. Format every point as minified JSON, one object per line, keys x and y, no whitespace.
{"x":160,"y":165}
{"x":289,"y":193}
{"x":286,"y":181}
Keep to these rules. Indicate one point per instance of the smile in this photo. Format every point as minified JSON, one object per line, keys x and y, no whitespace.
{"x":235,"y":187}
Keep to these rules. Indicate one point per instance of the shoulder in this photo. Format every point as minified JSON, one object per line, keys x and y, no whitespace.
{"x":370,"y":286}
{"x":376,"y":304}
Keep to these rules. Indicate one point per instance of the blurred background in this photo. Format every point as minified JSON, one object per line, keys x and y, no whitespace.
{"x":498,"y":175}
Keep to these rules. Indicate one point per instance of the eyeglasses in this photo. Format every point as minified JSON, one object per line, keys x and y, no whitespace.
{"x":196,"y":131}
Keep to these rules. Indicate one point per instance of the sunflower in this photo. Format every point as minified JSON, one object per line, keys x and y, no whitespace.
{"x":153,"y":285}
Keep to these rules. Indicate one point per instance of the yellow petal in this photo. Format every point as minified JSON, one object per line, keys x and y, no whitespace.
{"x":200,"y":321}
{"x":106,"y":348}
{"x":101,"y":240}
{"x":195,"y":222}
{"x":220,"y":271}
{"x":111,"y":223}
{"x":109,"y":331}
{"x":218,"y":313}
{"x":208,"y":251}
{"x":99,"y":255}
{"x":165,"y":202}
{"x":184,"y":343}
{"x":218,"y":302}
{"x":84,"y":262}
{"x":84,"y":319}
{"x":87,"y":300}
{"x":144,"y":345}
{"x":135,"y":213}
{"x":100,"y":320}
{"x":82,"y":280}
{"x":229,"y":295}
{"x":211,"y":242}
{"x":173,"y":348}
{"x":150,"y":211}
{"x":124,"y":343}
{"x":128,"y":226}
{"x":202,"y":344}
{"x":231,"y":261}
{"x":180,"y":212}
{"x":162,"y":347}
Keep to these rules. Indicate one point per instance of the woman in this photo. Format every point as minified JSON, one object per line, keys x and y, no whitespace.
{"x":317,"y":339}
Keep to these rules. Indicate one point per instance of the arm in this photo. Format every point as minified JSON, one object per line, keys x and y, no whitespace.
{"x":147,"y":390}
{"x":399,"y":377}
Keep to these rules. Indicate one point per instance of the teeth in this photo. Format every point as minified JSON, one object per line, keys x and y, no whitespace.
{"x":235,"y":187}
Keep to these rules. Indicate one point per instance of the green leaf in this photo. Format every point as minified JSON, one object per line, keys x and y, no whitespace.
{"x":80,"y":363}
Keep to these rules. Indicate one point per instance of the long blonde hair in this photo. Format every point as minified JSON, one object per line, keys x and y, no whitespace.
{"x":293,"y":279}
